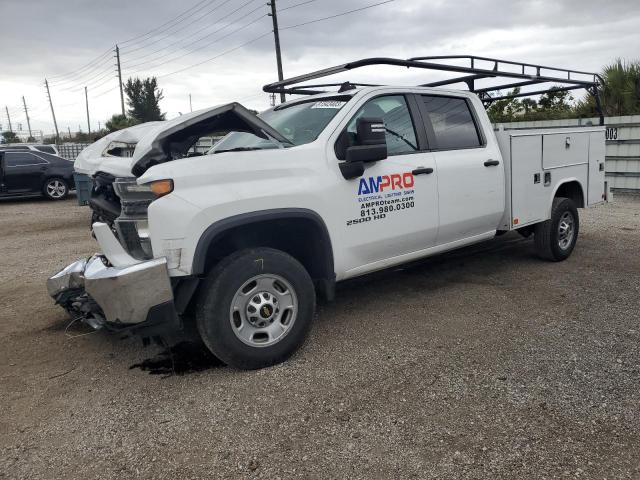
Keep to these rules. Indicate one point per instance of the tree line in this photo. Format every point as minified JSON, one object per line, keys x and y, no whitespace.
{"x":620,"y":95}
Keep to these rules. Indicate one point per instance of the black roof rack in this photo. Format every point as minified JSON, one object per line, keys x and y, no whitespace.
{"x":473,"y":67}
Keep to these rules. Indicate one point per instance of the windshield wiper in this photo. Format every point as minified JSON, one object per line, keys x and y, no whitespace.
{"x":240,"y":149}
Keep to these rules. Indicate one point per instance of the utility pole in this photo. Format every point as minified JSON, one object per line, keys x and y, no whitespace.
{"x":86,"y":99}
{"x":8,"y":118}
{"x":53,"y":113}
{"x":120,"y":79}
{"x":190,"y":107}
{"x":26,"y":113}
{"x":276,"y":37}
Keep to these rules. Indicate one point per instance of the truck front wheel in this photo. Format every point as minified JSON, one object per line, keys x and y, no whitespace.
{"x":255,"y":308}
{"x":556,"y":237}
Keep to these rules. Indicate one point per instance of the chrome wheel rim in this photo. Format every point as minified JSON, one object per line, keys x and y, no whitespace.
{"x":263,"y":310}
{"x":56,"y":189}
{"x":566,"y":230}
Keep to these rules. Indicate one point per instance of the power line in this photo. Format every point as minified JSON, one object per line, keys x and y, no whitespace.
{"x":88,"y":81}
{"x":194,"y":33}
{"x":104,"y":92}
{"x":75,"y":72}
{"x":206,"y":45}
{"x":171,"y":30}
{"x":336,"y":15}
{"x":166,"y":23}
{"x":83,"y":79}
{"x":217,"y":56}
{"x":90,"y":72}
{"x":110,"y":79}
{"x":295,"y":6}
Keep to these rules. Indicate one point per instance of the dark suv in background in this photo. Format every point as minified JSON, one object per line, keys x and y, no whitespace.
{"x":27,"y":173}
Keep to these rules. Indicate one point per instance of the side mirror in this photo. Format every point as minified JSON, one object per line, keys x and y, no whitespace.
{"x":371,"y":143}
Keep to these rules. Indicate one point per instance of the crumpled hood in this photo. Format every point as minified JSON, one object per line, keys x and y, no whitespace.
{"x":178,"y":134}
{"x":91,"y":159}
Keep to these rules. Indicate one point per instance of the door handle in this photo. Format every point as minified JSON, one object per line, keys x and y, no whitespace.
{"x":422,"y":171}
{"x":491,"y":163}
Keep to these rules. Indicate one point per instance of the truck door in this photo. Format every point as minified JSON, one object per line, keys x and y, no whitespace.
{"x":393,"y":208}
{"x":23,"y":172}
{"x":470,"y":174}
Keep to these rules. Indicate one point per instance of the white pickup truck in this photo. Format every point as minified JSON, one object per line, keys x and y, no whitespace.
{"x":312,"y":192}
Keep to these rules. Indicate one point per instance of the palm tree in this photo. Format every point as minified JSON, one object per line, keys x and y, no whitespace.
{"x":620,"y":94}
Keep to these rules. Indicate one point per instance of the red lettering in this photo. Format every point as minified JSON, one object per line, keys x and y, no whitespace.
{"x":408,"y":179}
{"x":396,"y":181}
{"x":386,"y":181}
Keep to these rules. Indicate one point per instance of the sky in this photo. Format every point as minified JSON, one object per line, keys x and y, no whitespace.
{"x":223,"y":50}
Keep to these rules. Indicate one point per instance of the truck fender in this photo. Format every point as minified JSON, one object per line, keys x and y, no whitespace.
{"x":325,"y":274}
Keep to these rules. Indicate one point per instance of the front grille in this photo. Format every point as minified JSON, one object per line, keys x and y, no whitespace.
{"x":132,"y":225}
{"x":104,"y":202}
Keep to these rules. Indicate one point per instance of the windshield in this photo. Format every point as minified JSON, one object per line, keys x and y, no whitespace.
{"x":299,"y":123}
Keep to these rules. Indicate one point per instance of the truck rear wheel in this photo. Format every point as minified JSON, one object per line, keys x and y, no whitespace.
{"x":556,"y":237}
{"x":255,"y":308}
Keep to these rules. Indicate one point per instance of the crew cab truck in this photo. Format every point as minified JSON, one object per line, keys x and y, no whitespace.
{"x":323,"y":188}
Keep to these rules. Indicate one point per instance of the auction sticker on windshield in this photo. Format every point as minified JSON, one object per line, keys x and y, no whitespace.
{"x":328,"y":104}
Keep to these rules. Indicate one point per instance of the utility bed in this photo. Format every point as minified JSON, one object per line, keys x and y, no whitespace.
{"x":537,"y":161}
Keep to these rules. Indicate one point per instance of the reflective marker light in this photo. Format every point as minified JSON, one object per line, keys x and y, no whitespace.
{"x":161,"y":187}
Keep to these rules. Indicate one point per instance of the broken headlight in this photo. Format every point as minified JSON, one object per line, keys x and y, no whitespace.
{"x":119,"y":149}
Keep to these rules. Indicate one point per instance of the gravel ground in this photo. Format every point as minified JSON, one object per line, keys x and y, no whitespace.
{"x":483,"y":363}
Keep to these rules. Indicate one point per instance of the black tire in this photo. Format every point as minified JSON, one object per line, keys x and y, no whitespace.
{"x":217,"y":294}
{"x":55,"y":188}
{"x":550,"y":245}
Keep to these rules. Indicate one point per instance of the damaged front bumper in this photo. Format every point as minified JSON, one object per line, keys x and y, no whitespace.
{"x":134,"y":298}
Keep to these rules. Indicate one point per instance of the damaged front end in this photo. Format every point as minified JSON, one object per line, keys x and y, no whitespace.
{"x":126,"y":289}
{"x":134,"y":299}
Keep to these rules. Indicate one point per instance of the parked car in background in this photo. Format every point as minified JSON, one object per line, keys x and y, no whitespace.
{"x":29,"y":173}
{"x":52,"y":149}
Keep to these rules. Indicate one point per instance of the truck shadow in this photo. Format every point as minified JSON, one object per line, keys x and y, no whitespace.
{"x":179,"y":359}
{"x":189,"y":357}
{"x":456,"y":266}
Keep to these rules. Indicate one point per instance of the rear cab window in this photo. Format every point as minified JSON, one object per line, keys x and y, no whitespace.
{"x":451,"y":122}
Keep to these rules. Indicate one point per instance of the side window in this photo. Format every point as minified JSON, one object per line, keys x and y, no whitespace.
{"x":19,"y":159}
{"x":393,"y":109}
{"x":452,"y":122}
{"x":46,"y":149}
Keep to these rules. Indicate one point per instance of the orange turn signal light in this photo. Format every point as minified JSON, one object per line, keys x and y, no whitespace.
{"x":161,"y":187}
{"x":516,"y":221}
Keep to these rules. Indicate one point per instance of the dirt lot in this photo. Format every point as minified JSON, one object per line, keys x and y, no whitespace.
{"x":484,"y":363}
